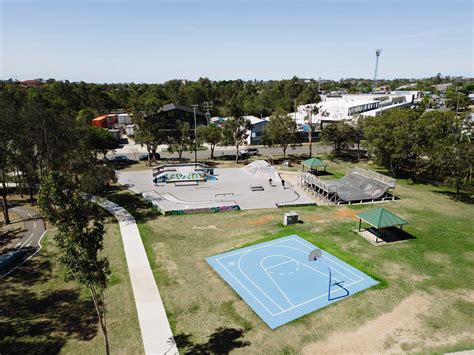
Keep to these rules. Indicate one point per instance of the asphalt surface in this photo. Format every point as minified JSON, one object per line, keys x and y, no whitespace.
{"x":264,"y":152}
{"x":27,"y":246}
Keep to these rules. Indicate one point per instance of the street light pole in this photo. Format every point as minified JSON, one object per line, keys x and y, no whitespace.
{"x":195,"y":133}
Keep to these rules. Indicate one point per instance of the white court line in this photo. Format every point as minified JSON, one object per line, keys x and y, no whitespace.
{"x":271,"y":278}
{"x":279,"y":264}
{"x":253,"y":283}
{"x":333,"y":261}
{"x":237,"y":252}
{"x":246,"y":289}
{"x":313,"y":299}
{"x":276,"y":244}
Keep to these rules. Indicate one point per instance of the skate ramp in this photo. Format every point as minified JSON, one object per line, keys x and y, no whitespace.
{"x":354,"y":187}
{"x":262,"y":169}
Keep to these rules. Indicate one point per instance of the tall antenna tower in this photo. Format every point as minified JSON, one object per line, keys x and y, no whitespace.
{"x":208,"y":106}
{"x":377,"y":55}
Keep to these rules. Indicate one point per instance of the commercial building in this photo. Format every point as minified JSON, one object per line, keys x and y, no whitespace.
{"x":333,"y":108}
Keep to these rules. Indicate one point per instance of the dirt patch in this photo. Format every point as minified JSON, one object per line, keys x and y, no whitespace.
{"x":262,"y":220}
{"x":467,"y":295}
{"x":345,"y":213}
{"x":469,"y":255}
{"x":383,"y":334}
{"x":211,"y":227}
{"x":161,"y":252}
{"x":437,"y":258}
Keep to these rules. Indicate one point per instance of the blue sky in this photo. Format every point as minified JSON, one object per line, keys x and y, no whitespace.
{"x":154,"y":41}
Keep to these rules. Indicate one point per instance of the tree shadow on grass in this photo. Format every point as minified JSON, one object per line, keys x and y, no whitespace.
{"x":40,"y":322}
{"x":140,"y":209}
{"x":463,"y":196}
{"x":222,"y":341}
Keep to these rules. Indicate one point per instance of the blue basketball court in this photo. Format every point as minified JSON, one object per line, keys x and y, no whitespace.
{"x":280,"y":283}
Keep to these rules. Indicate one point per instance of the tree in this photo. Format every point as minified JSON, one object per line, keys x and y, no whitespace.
{"x":339,"y":135}
{"x":211,"y":134}
{"x":10,"y":105}
{"x":149,"y":133}
{"x":357,"y":132}
{"x":101,"y":140}
{"x":457,"y":100}
{"x":180,"y":141}
{"x":85,"y":116}
{"x":235,"y":132}
{"x":281,"y":130}
{"x":311,"y":111}
{"x":79,"y":239}
{"x":392,"y":138}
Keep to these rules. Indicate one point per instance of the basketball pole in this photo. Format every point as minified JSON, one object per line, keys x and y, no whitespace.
{"x":329,"y":286}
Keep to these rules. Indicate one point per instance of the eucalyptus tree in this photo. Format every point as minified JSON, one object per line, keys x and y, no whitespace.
{"x":235,"y":132}
{"x":211,"y":134}
{"x":281,"y":131}
{"x":180,"y":141}
{"x":79,"y":239}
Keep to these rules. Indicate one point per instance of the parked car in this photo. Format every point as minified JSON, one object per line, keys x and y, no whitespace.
{"x":120,"y":159}
{"x":249,"y":151}
{"x":144,"y":157}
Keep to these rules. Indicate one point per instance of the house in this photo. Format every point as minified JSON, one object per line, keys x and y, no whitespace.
{"x":31,"y":83}
{"x":255,"y":133}
{"x":169,"y":115}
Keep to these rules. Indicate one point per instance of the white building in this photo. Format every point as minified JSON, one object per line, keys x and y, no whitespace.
{"x":333,"y":108}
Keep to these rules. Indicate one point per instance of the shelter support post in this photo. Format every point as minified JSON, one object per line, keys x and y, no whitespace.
{"x":360,"y":223}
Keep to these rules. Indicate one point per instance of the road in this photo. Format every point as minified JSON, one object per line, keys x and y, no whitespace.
{"x":28,"y":245}
{"x":134,"y":151}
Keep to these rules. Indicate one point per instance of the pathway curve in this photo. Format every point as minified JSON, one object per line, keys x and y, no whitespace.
{"x":156,"y":332}
{"x":28,"y":245}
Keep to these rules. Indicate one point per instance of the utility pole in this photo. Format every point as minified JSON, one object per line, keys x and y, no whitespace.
{"x":207,"y":106}
{"x":377,"y":55}
{"x":457,"y":105}
{"x":295,"y":110}
{"x":195,"y":133}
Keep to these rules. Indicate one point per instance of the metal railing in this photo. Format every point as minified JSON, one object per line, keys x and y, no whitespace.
{"x":390,"y":182}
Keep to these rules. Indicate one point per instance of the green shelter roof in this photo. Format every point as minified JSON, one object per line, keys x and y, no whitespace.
{"x":313,"y":163}
{"x":381,"y":218}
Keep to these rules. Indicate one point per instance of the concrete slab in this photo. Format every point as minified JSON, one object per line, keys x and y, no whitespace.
{"x":231,"y":184}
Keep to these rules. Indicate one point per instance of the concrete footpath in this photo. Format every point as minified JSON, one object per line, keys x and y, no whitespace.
{"x":156,"y":332}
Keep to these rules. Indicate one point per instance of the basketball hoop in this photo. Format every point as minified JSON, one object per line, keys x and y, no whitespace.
{"x":315,"y":255}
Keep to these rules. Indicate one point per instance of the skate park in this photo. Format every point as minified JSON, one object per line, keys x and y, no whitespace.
{"x":196,"y":188}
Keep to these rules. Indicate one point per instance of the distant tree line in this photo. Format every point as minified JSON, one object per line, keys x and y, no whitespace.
{"x":431,"y":145}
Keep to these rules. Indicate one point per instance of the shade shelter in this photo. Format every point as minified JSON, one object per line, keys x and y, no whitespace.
{"x":314,"y":164}
{"x":380,"y":218}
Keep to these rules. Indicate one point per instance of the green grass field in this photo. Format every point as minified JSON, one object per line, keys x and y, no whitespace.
{"x":41,"y":314}
{"x":423,"y":304}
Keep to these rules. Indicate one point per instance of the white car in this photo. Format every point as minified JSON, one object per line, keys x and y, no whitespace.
{"x":249,"y":151}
